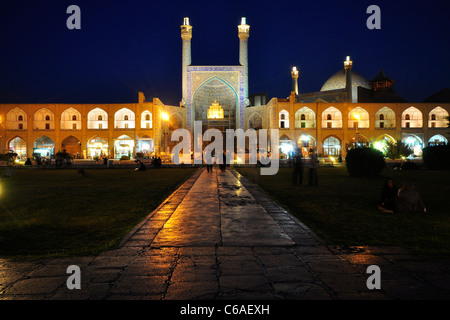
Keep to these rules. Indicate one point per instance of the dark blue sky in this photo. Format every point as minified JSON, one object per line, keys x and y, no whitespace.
{"x":130,"y":46}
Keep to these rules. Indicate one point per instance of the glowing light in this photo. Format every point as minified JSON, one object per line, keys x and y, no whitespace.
{"x":286,"y":148}
{"x":380,"y":145}
{"x":357,"y":116}
{"x":215,"y":111}
{"x":243,"y":21}
{"x":165,"y":116}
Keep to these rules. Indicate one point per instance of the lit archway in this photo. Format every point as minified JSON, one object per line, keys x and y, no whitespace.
{"x":305,"y":118}
{"x":331,"y":118}
{"x":97,"y":147}
{"x":123,"y":146}
{"x":146,"y":145}
{"x":215,"y":90}
{"x":438,"y":118}
{"x":306,"y":142}
{"x":385,"y":118}
{"x":437,"y":140}
{"x":283,"y":116}
{"x":331,"y":146}
{"x":146,"y":120}
{"x":71,"y":119}
{"x":381,"y":143}
{"x":43,"y":119}
{"x":44,"y":147}
{"x":97,"y":119}
{"x":124,"y":119}
{"x":414,"y":143}
{"x":16,"y":119}
{"x":412,"y":118}
{"x":358,"y":118}
{"x":19,"y":146}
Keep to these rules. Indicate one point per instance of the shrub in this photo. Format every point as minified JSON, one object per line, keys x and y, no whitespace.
{"x":397,"y":150}
{"x":437,"y":157}
{"x":364,"y":161}
{"x":124,"y":158}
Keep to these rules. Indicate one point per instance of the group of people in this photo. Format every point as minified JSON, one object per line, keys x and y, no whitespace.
{"x":311,"y":164}
{"x":222,"y":166}
{"x":405,"y":199}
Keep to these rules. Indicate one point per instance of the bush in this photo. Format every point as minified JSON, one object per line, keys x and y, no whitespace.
{"x":124,"y":158}
{"x":398,"y":150}
{"x":364,"y":161}
{"x":437,"y":157}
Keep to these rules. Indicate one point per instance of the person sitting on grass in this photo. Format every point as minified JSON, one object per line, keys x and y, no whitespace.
{"x":409,"y":200}
{"x":388,"y":196}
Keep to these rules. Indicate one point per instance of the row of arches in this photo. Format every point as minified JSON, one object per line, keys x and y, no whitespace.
{"x":44,"y":119}
{"x":359,"y":118}
{"x":45,"y":147}
{"x":333,"y":145}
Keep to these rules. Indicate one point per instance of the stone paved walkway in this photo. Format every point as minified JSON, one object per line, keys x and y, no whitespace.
{"x":220,"y":237}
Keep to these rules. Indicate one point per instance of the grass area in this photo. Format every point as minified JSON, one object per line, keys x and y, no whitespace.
{"x":342,"y":209}
{"x":45,"y":213}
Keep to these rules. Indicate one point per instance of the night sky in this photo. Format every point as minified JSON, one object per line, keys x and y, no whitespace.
{"x":130,"y":46}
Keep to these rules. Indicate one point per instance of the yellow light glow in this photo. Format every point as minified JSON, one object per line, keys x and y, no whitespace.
{"x":357,"y":116}
{"x":215,"y":111}
{"x":165,"y":116}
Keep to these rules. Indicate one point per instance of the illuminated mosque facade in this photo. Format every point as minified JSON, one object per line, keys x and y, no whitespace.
{"x":348,"y":110}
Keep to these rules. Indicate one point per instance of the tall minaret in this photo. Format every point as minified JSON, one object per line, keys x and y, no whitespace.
{"x":186,"y":35}
{"x":348,"y":78}
{"x":294,"y":74}
{"x":243,"y":32}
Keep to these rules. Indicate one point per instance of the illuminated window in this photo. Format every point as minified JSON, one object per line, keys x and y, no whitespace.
{"x":381,"y":116}
{"x":100,"y":118}
{"x":329,"y":117}
{"x":433,"y":117}
{"x":74,"y":118}
{"x":20,"y":118}
{"x":407,"y":117}
{"x":125,"y":118}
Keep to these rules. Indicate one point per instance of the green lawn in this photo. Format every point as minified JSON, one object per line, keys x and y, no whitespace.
{"x":342,"y":209}
{"x":59,"y":212}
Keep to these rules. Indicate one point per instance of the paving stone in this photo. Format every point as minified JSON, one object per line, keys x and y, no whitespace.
{"x":220,"y":237}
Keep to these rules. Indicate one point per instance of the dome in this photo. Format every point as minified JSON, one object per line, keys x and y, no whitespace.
{"x":337,"y":81}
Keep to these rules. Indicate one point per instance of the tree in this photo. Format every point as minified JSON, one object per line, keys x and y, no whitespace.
{"x":397,"y":150}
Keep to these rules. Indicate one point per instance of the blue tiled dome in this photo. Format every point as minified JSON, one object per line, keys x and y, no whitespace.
{"x":337,"y":81}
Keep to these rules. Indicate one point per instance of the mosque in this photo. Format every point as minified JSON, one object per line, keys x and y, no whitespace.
{"x":348,"y":110}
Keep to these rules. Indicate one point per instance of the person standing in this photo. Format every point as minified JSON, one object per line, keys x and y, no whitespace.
{"x":297,"y":178}
{"x":313,"y":164}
